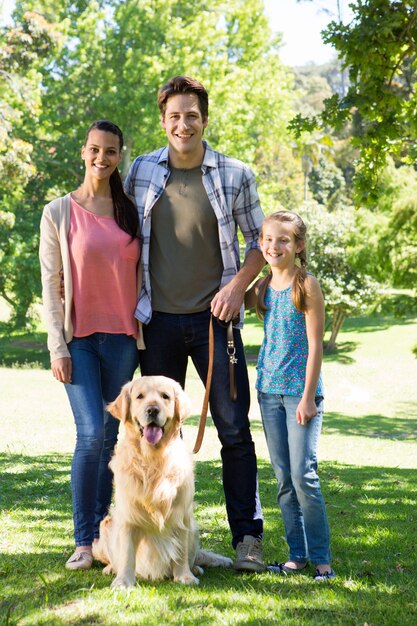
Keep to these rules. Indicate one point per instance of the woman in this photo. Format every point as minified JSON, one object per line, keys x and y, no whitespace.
{"x":93,"y":338}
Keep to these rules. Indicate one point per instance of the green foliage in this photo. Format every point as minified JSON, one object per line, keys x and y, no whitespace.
{"x":330,"y":75}
{"x":23,"y":50}
{"x":333,"y":239}
{"x":67,"y":63}
{"x":378,"y":49}
{"x":313,"y":88}
{"x":399,"y":305}
{"x":108,"y":61}
{"x":335,"y":242}
{"x":397,"y":245}
{"x":328,"y":185}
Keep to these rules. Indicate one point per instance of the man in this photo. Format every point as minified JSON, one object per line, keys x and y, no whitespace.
{"x":191,"y":200}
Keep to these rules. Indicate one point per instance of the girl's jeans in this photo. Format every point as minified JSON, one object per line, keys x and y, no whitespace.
{"x":293,"y":451}
{"x":101,"y":364}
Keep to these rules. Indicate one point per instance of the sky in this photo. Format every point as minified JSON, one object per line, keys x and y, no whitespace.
{"x":299,"y":22}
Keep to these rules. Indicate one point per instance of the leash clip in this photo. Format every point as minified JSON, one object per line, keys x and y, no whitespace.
{"x":231,"y":351}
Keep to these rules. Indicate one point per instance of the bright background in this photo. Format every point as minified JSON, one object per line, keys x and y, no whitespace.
{"x":299,"y":22}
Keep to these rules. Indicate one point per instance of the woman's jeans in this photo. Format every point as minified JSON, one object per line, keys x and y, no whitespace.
{"x":101,"y":364}
{"x":170,"y":340}
{"x":293,"y":451}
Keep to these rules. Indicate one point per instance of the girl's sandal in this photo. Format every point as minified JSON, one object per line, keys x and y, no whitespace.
{"x":281,"y":568}
{"x":319,"y":576}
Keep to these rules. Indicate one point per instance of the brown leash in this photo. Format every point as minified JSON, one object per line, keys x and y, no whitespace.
{"x":231,"y":351}
{"x":204,"y":409}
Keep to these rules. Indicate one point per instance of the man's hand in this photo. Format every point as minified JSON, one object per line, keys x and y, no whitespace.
{"x":227,"y":302}
{"x":62,"y":369}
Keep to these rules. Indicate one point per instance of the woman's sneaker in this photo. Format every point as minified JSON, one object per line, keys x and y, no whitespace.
{"x":80,"y":560}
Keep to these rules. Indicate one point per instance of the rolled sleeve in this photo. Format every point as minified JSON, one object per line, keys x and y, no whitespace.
{"x":248,"y":212}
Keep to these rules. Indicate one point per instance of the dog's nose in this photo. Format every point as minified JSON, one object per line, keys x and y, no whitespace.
{"x":152,"y":412}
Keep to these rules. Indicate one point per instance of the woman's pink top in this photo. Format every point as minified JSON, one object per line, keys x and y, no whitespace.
{"x":103,"y":266}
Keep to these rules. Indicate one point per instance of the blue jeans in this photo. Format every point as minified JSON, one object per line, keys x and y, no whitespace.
{"x":101,"y":364}
{"x":170,"y":339}
{"x":293,"y":452}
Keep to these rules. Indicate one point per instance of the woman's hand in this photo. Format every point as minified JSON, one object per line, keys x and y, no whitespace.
{"x":62,"y":369}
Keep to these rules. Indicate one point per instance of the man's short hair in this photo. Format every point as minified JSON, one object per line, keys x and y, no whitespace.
{"x":180,"y":85}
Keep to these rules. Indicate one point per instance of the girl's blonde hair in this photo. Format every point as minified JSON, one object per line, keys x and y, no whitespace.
{"x":298,"y":291}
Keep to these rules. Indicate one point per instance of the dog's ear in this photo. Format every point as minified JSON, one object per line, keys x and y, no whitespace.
{"x":182,"y":403}
{"x":120,"y":408}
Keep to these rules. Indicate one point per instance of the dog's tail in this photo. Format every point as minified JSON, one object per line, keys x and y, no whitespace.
{"x":100,"y":547}
{"x":211,"y":559}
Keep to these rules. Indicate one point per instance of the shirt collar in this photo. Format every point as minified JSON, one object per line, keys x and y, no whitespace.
{"x":208,"y":161}
{"x":209,"y":157}
{"x":163,"y":157}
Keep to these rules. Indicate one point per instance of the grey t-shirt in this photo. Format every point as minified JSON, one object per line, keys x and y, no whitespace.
{"x":185,"y":259}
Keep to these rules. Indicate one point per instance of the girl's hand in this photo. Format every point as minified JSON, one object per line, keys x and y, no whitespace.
{"x":62,"y":369}
{"x":306,"y":410}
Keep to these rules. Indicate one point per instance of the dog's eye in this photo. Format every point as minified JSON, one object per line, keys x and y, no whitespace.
{"x":140,"y":396}
{"x":165,"y":396}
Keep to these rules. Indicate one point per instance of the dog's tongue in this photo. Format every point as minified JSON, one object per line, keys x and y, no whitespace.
{"x":152,"y":433}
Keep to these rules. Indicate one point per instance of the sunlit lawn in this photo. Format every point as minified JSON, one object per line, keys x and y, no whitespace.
{"x":368,"y":455}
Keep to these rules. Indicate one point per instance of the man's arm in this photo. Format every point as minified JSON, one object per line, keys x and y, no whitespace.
{"x":247,"y":212}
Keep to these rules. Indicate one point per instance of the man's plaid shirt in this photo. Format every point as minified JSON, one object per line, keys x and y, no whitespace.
{"x":231,"y":189}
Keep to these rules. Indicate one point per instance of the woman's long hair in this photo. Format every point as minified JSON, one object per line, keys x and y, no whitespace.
{"x":298,"y":291}
{"x":125,"y":211}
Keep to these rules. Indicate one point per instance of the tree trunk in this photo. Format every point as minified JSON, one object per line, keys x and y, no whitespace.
{"x":339,"y":316}
{"x":127,"y":157}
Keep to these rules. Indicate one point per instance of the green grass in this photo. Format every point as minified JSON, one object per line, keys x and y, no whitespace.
{"x":368,"y":469}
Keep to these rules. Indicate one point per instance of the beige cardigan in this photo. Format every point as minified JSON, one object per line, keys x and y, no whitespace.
{"x":54,"y":256}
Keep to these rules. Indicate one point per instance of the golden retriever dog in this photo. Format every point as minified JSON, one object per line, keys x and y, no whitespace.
{"x":151,"y":531}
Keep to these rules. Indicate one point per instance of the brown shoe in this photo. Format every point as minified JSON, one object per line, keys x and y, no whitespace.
{"x":80,"y":560}
{"x":249,"y":555}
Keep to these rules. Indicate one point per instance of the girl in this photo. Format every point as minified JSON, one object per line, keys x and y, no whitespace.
{"x":93,"y":338}
{"x":290,"y":389}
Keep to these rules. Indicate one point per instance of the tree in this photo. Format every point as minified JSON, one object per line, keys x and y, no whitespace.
{"x":335,"y":242}
{"x":378,"y":48}
{"x":23,"y":48}
{"x":397,"y":247}
{"x":327,"y":184}
{"x":113,"y":58}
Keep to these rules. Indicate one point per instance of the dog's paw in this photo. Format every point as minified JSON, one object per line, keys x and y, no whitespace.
{"x":226,"y":562}
{"x":187,"y":579}
{"x":108,"y":570}
{"x":123,"y":582}
{"x":197,"y":570}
